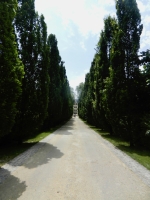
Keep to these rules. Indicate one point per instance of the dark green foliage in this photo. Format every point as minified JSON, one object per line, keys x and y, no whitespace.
{"x":30,"y":31}
{"x":55,"y":101}
{"x":34,"y":51}
{"x":11,"y":68}
{"x":145,"y":102}
{"x":66,"y":95}
{"x":99,"y":71}
{"x":44,"y":92}
{"x":116,"y":94}
{"x":102,"y":68}
{"x":114,"y":89}
{"x":42,"y":79}
{"x":60,"y":103}
{"x":129,"y":21}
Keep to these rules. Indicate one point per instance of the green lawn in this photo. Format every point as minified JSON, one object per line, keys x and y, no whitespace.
{"x":9,"y":151}
{"x":141,"y":156}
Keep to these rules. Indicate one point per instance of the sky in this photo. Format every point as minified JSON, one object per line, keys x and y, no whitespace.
{"x":77,"y":25}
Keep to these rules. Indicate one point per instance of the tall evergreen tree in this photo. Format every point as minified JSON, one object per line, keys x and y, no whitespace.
{"x":129,"y":21}
{"x":42,"y":79}
{"x":66,"y":95}
{"x":114,"y":85}
{"x":102,"y":63}
{"x":55,"y":100}
{"x":121,"y":91}
{"x":11,"y":68}
{"x":60,"y":102}
{"x":32,"y":37}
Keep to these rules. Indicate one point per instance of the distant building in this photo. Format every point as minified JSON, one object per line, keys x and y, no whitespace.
{"x":75,"y":109}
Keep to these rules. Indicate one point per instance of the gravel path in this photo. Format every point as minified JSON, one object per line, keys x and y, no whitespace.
{"x":74,"y":163}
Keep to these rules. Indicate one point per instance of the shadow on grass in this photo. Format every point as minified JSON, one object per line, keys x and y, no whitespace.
{"x":134,"y":150}
{"x":124,"y":146}
{"x":9,"y":151}
{"x":116,"y":140}
{"x":40,"y":154}
{"x":137,"y":153}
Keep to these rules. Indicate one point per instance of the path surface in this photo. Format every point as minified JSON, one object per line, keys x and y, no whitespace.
{"x":73,"y":163}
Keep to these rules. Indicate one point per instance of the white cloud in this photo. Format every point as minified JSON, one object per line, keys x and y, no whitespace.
{"x":146,"y":20}
{"x":70,"y":32}
{"x":106,"y":2}
{"x":86,"y":15}
{"x":76,"y":22}
{"x":144,"y":6}
{"x":141,"y":6}
{"x":145,"y":39}
{"x":78,"y":79}
{"x":88,"y":20}
{"x":83,"y":46}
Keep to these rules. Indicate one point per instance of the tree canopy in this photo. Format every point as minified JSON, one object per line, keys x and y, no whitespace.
{"x":115,"y":96}
{"x":11,"y":67}
{"x":35,"y":92}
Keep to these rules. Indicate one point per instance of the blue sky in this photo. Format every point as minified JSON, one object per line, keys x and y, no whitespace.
{"x":77,"y":25}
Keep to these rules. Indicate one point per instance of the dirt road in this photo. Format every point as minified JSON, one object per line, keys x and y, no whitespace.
{"x":73,"y":163}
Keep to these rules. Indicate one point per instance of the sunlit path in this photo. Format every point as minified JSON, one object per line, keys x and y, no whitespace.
{"x":72,"y":163}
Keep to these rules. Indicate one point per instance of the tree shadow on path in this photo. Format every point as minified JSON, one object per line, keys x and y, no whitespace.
{"x":43,"y":156}
{"x":39,"y":154}
{"x":12,"y":188}
{"x":67,"y":128}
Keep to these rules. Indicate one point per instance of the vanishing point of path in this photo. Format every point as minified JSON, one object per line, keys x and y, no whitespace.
{"x":74,"y":163}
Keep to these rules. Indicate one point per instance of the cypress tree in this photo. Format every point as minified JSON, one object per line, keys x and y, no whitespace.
{"x":32,"y":38}
{"x":114,"y":92}
{"x":129,"y":21}
{"x":55,"y":101}
{"x":41,"y":71}
{"x":11,"y":68}
{"x":103,"y":63}
{"x":60,"y":102}
{"x":67,"y":98}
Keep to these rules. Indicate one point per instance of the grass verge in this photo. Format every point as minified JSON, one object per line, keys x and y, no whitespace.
{"x":140,"y":155}
{"x":11,"y":150}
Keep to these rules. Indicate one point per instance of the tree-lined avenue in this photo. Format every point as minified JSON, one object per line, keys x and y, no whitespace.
{"x":72,"y":163}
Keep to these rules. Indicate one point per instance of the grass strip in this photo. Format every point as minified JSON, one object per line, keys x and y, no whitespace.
{"x":140,"y":155}
{"x":11,"y":150}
